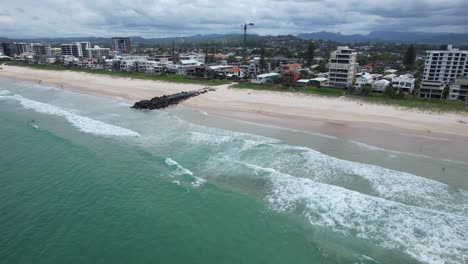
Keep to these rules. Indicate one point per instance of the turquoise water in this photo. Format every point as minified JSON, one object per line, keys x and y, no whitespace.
{"x":93,"y":181}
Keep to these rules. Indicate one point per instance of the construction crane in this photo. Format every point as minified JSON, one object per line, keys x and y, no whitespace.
{"x":246,"y":25}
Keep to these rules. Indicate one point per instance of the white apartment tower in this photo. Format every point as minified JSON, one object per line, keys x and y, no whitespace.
{"x":342,"y":67}
{"x":441,"y":68}
{"x":76,"y":49}
{"x":445,"y":65}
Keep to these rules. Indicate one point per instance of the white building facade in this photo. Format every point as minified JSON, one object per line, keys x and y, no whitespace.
{"x":445,"y":65}
{"x":342,"y":67}
{"x":459,"y":89}
{"x":364,"y":79}
{"x":404,"y":83}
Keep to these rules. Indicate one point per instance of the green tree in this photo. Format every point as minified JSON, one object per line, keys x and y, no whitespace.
{"x":410,"y":56}
{"x":389,"y":92}
{"x":446,"y":91}
{"x":366,"y":89}
{"x":309,"y":55}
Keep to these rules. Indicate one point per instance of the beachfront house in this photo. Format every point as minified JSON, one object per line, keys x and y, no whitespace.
{"x":459,"y":89}
{"x":431,"y":89}
{"x":267,"y":78}
{"x":364,"y":79}
{"x":404,"y":83}
{"x":380,"y":85}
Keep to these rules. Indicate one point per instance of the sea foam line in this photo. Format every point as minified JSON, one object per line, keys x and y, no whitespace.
{"x":386,"y":183}
{"x":4,"y":92}
{"x":84,"y":124}
{"x":183,"y":171}
{"x":427,"y":235}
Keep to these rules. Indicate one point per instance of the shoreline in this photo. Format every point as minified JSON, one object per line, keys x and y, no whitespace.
{"x":437,"y":135}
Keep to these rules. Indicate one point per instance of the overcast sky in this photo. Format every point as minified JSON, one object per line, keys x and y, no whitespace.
{"x":165,"y":18}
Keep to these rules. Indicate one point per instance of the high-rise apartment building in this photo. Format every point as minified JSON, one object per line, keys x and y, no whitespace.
{"x":121,"y":45}
{"x":41,"y":49}
{"x":441,"y":68}
{"x":342,"y":67}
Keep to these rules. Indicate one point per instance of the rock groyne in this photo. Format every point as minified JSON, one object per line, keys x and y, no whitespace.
{"x":167,"y":100}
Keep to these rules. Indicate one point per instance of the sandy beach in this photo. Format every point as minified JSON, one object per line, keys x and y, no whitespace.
{"x":389,"y":127}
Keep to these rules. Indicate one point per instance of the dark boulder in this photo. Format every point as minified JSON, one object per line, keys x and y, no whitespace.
{"x":167,"y":100}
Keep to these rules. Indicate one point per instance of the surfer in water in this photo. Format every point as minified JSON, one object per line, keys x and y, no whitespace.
{"x":32,"y":124}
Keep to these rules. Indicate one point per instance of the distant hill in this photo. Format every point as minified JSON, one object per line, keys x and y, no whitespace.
{"x":236,"y":40}
{"x":391,"y":36}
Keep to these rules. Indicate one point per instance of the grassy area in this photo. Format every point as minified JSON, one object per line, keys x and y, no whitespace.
{"x":408,"y":102}
{"x":271,"y":87}
{"x":135,"y":75}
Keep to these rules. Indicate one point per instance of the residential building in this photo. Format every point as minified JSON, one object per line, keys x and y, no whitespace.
{"x":84,"y":46}
{"x":404,"y":83}
{"x":367,"y":68}
{"x":97,"y":52}
{"x":267,"y":77}
{"x":121,"y":45}
{"x":41,"y":49}
{"x":12,"y":49}
{"x":73,"y":49}
{"x":445,"y":65}
{"x":431,"y":89}
{"x":376,"y":76}
{"x":364,"y":79}
{"x":9,"y":49}
{"x":380,"y":86}
{"x":459,"y":89}
{"x":390,"y":71}
{"x":319,"y":81}
{"x":56,"y":52}
{"x":342,"y":67}
{"x":198,"y":58}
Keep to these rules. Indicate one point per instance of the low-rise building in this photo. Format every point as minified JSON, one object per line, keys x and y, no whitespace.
{"x":376,"y":76}
{"x":267,"y":77}
{"x":404,"y":83}
{"x":380,"y":85}
{"x":459,"y":89}
{"x":364,"y":79}
{"x":431,"y":89}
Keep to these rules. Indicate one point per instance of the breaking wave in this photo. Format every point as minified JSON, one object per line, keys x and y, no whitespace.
{"x":179,"y":171}
{"x":84,"y":124}
{"x":427,"y":235}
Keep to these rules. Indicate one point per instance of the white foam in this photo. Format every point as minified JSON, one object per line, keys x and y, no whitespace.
{"x":385,"y":183}
{"x":198,"y":182}
{"x":84,"y":124}
{"x":427,"y":235}
{"x":366,"y":146}
{"x":183,"y":171}
{"x":4,"y":92}
{"x":390,"y":184}
{"x":176,"y":182}
{"x":220,"y":138}
{"x":209,"y":139}
{"x":180,"y":170}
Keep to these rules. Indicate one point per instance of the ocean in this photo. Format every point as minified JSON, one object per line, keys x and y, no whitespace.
{"x":86,"y":179}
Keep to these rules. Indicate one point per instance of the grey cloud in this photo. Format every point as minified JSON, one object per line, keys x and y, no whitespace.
{"x":161,"y":18}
